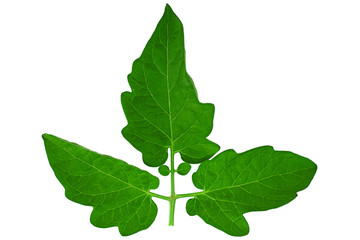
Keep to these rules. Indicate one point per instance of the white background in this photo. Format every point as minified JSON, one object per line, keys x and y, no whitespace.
{"x":283,"y":73}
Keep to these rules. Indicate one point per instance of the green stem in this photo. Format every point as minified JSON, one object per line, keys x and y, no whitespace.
{"x":188,"y":195}
{"x":173,"y":195}
{"x":160,"y":196}
{"x":172,"y":212}
{"x":177,"y":196}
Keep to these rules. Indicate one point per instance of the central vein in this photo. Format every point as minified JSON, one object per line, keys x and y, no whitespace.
{"x":172,"y":164}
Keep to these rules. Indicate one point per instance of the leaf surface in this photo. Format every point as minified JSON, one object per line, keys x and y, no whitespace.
{"x":256,"y":180}
{"x":164,"y":170}
{"x":118,"y":191}
{"x":183,"y":169}
{"x":162,"y":109}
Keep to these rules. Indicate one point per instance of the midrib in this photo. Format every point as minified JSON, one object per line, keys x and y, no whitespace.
{"x":168,"y":84}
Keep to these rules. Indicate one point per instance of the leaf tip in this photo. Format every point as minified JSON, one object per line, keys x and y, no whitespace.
{"x":167,"y":7}
{"x":45,"y":136}
{"x":168,"y":10}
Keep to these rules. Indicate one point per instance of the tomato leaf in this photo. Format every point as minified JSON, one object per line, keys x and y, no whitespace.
{"x":164,"y":113}
{"x":162,"y":109}
{"x":164,"y":170}
{"x":118,"y":191}
{"x":183,"y":168}
{"x":256,"y":180}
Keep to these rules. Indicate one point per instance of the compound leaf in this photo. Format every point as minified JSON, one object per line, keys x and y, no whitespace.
{"x":256,"y":180}
{"x":118,"y":191}
{"x":162,"y":109}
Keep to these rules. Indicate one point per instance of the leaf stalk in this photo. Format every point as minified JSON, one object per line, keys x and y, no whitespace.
{"x":173,"y":195}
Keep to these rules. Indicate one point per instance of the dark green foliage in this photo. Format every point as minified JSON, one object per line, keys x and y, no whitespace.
{"x":183,"y":169}
{"x":163,"y":110}
{"x":164,"y":170}
{"x":164,"y":113}
{"x":119,"y":192}
{"x":256,"y":180}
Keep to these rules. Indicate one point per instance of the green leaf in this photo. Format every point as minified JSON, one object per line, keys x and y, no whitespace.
{"x":164,"y":113}
{"x":118,"y":191}
{"x":256,"y":180}
{"x":183,"y":169}
{"x":164,"y":170}
{"x":162,"y":109}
